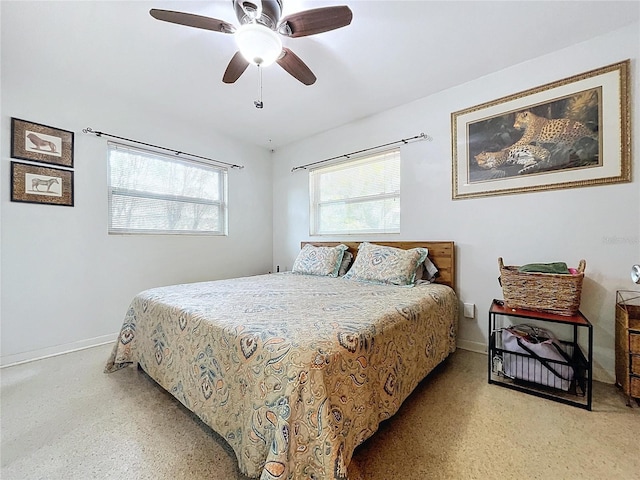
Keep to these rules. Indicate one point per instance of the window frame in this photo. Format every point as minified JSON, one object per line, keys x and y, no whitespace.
{"x":315,"y":203}
{"x":221,"y":204}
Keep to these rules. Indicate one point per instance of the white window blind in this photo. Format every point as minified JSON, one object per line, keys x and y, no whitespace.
{"x":151,"y":192}
{"x":357,"y":196}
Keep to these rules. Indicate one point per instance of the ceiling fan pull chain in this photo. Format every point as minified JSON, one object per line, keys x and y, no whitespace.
{"x":258,"y":103}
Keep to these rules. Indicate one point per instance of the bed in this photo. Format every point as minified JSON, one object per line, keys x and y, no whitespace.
{"x":293,"y":371}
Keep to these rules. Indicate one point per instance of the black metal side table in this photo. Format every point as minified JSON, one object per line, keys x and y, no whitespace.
{"x":579,"y":391}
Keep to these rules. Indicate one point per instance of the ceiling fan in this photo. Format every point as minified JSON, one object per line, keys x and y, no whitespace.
{"x":258,"y":36}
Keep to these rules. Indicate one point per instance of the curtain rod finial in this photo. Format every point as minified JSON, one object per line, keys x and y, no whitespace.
{"x":426,"y":137}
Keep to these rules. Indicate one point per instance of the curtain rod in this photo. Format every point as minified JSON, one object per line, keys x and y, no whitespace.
{"x":421,"y":136}
{"x":177,"y":152}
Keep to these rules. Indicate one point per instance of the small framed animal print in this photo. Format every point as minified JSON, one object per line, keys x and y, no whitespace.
{"x":571,"y":133}
{"x":36,"y":184}
{"x":41,"y":143}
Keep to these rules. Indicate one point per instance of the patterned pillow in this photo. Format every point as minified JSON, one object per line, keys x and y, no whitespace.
{"x":386,"y":265}
{"x":324,"y":261}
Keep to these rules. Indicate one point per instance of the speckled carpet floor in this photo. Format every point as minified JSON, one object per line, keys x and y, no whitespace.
{"x":63,"y":419}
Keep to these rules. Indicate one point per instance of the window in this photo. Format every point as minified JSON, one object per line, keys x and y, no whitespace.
{"x":151,"y":192}
{"x":358,"y":196}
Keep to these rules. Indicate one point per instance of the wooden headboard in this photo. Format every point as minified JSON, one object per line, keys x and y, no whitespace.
{"x":442,"y":254}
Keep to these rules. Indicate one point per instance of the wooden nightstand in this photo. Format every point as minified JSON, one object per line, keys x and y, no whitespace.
{"x":628,"y":343}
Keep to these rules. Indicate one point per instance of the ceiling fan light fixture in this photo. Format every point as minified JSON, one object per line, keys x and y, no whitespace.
{"x":258,"y":38}
{"x":258,"y":44}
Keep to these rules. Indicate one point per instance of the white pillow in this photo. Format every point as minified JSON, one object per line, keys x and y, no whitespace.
{"x":431,"y":271}
{"x":346,"y":263}
{"x":427,"y":272}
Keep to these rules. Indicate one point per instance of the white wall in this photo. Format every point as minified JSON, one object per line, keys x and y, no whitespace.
{"x":66,"y":283}
{"x":600,"y":224}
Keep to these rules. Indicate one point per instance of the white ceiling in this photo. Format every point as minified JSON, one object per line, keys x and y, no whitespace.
{"x":392,"y":53}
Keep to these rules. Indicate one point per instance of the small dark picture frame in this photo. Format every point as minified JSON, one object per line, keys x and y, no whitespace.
{"x":41,"y":143}
{"x":36,"y":184}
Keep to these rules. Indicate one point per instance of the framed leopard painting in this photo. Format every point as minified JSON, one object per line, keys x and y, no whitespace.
{"x":571,"y":133}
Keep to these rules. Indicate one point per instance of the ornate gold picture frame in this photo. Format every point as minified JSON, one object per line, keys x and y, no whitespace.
{"x":570,"y":133}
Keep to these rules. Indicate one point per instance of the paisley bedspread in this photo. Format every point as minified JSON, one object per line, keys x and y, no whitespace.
{"x":294,"y":371}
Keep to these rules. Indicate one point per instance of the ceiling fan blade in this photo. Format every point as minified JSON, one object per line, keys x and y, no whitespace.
{"x":236,"y":67}
{"x":191,"y":20}
{"x":296,"y":67}
{"x":317,"y":20}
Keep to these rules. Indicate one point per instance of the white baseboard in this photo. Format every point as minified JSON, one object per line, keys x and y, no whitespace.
{"x":24,"y":357}
{"x":477,"y":347}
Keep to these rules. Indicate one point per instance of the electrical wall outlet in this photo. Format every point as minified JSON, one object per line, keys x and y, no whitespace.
{"x":469,"y":310}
